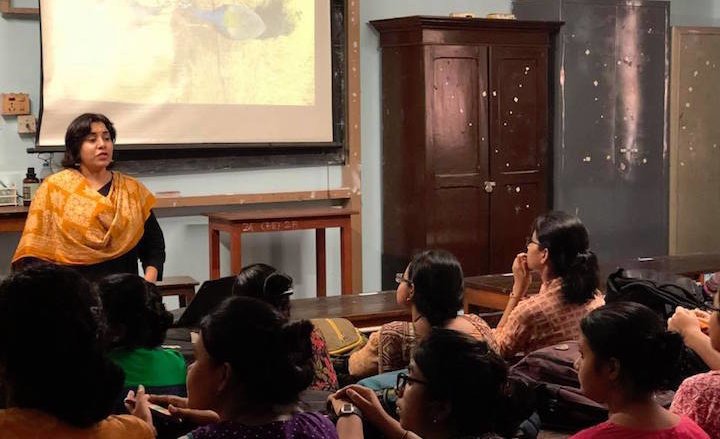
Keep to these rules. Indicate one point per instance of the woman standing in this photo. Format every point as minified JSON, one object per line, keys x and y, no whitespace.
{"x":95,"y":220}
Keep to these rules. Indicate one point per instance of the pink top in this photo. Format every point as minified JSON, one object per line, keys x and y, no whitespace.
{"x":698,"y":398}
{"x":685,"y":429}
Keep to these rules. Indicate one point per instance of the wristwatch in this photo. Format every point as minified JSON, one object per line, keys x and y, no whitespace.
{"x":348,"y":409}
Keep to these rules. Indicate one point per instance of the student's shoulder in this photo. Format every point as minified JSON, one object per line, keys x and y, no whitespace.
{"x":127,"y":426}
{"x":687,"y":428}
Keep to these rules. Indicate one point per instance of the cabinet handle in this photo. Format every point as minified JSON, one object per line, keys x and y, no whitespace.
{"x":489,"y":186}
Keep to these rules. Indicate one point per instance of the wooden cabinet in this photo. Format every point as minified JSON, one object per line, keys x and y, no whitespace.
{"x":466,"y":131}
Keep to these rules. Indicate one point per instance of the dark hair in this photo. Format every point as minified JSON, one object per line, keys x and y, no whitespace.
{"x":76,"y":133}
{"x":474,"y":380}
{"x":567,"y":242}
{"x":51,"y":354}
{"x":270,"y":358}
{"x":135,"y":313}
{"x":635,"y":336}
{"x":437,"y":279}
{"x":266,"y":283}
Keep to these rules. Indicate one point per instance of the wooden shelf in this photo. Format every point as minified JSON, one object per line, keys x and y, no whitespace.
{"x":230,"y":199}
{"x":9,"y":11}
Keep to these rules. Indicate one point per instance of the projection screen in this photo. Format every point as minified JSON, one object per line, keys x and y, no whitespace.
{"x":189,"y":71}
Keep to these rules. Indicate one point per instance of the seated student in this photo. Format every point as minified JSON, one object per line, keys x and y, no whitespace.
{"x":250,"y":367}
{"x":57,"y":380}
{"x":264,"y":282}
{"x":432,"y":287}
{"x":137,"y":323}
{"x":626,"y":356}
{"x":455,"y":387}
{"x":558,"y":250}
{"x":698,"y":397}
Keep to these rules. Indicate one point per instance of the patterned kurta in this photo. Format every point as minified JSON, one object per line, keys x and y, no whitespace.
{"x":542,"y":320}
{"x":698,"y":398}
{"x":392,"y":346}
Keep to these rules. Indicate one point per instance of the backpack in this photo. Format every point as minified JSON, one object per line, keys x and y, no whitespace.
{"x":551,"y":373}
{"x":662,"y":295}
{"x":341,"y":336}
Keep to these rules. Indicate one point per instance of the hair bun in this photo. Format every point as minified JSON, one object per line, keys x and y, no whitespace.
{"x":584,"y":258}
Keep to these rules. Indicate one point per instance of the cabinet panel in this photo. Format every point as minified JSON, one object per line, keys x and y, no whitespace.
{"x":519,"y":148}
{"x":457,"y":153}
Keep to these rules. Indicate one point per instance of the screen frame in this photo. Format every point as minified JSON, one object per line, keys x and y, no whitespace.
{"x":333,"y":152}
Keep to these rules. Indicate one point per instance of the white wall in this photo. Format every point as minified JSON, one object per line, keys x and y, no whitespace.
{"x":187,"y":236}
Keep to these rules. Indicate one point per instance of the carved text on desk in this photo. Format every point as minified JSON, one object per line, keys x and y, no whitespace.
{"x":270,"y":226}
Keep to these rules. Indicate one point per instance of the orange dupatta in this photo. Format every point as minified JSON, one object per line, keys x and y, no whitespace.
{"x":69,"y":223}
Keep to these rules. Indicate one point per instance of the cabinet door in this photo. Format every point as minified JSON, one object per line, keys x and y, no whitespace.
{"x":457,"y":93}
{"x":518,"y":148}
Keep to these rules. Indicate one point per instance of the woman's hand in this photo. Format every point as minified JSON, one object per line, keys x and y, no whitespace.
{"x":684,"y":322}
{"x":521,"y":274}
{"x":178,"y":407}
{"x":367,"y":401}
{"x":138,"y":404}
{"x":151,"y":274}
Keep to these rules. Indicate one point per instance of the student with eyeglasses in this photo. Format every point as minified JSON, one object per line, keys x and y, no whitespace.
{"x":455,"y":387}
{"x":432,"y":287}
{"x":559,"y":252}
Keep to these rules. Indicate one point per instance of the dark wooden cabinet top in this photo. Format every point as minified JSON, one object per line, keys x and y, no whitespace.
{"x":422,"y":29}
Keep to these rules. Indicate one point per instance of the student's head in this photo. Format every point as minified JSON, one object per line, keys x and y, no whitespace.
{"x":560,"y":242}
{"x":456,"y":383}
{"x":625,"y":350}
{"x":433,"y":282}
{"x":134,"y":311}
{"x":51,"y":355}
{"x":266,"y":283}
{"x":82,"y":138}
{"x":248,"y":357}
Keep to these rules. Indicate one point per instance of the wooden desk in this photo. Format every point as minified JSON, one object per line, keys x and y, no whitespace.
{"x":363,"y":310}
{"x":12,"y":218}
{"x":492,"y":291}
{"x":280,"y":220}
{"x":181,"y":286}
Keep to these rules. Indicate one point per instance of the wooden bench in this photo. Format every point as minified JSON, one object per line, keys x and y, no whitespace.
{"x":181,"y":286}
{"x":363,"y":310}
{"x":280,"y":220}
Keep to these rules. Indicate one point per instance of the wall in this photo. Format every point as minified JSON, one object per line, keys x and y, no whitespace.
{"x":187,"y":236}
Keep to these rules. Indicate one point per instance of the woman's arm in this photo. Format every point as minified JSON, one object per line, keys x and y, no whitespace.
{"x":521,"y":282}
{"x":151,"y":249}
{"x":686,"y":323}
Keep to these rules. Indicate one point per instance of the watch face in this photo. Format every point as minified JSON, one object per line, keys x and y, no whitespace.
{"x":346,"y":408}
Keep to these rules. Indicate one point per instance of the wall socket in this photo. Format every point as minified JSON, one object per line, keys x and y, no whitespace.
{"x":26,"y":124}
{"x":15,"y":103}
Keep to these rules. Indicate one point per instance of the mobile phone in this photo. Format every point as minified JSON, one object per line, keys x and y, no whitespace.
{"x":160,"y":410}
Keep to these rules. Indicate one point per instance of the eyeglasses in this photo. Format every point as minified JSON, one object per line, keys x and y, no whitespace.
{"x":529,"y":240}
{"x":403,"y":379}
{"x":400,"y":278}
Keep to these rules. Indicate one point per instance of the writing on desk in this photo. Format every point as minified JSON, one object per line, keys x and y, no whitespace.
{"x":270,"y":226}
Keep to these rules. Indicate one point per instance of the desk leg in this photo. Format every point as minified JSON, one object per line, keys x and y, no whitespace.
{"x":214,"y":246}
{"x":320,"y":263}
{"x":346,"y":257}
{"x":235,"y":253}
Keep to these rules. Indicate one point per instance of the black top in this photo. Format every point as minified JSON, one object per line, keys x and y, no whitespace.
{"x":150,"y":250}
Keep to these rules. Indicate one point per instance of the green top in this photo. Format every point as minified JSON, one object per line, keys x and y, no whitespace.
{"x":150,"y":367}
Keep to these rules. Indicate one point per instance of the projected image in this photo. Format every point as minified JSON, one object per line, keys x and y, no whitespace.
{"x":239,"y":52}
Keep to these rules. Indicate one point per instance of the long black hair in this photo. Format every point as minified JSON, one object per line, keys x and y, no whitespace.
{"x":635,"y":336}
{"x":566,"y":239}
{"x":51,"y":351}
{"x":135,"y":313}
{"x":437,"y":280}
{"x":271,"y":359}
{"x":473,"y":379}
{"x":266,"y":283}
